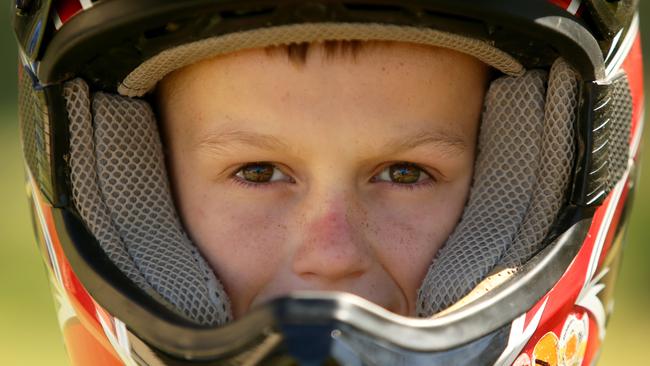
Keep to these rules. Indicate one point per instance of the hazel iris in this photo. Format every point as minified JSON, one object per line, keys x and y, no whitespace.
{"x":257,"y":172}
{"x":404,"y":173}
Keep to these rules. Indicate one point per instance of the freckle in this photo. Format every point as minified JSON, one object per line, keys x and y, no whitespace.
{"x":200,"y":212}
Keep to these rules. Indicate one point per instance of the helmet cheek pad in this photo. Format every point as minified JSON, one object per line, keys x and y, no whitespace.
{"x":526,"y":149}
{"x":121,"y":190}
{"x":522,"y":177}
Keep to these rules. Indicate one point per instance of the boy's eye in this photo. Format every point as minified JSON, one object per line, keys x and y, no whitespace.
{"x":403,"y":173}
{"x":261,"y":173}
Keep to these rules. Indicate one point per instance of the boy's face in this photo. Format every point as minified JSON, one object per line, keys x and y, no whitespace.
{"x":343,"y":174}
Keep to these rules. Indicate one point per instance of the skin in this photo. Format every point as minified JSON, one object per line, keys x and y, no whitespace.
{"x":332,"y":218}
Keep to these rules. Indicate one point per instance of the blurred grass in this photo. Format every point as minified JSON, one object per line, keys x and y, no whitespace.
{"x":29,"y":333}
{"x":627,"y":332}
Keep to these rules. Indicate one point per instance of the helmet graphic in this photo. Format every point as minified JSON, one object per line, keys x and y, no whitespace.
{"x":524,"y":279}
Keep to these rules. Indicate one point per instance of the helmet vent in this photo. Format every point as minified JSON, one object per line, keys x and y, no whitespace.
{"x":619,"y":130}
{"x":372,"y":7}
{"x":34,"y":128}
{"x":247,"y":13}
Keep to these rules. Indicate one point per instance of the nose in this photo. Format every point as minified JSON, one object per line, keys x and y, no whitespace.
{"x":333,"y":247}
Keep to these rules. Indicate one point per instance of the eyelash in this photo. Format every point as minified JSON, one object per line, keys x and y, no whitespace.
{"x":417,"y":185}
{"x":247,"y":184}
{"x":413,"y":186}
{"x":262,"y":185}
{"x":427,"y":183}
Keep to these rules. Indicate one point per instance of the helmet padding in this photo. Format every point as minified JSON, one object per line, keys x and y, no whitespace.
{"x":526,"y":149}
{"x":122,"y":192}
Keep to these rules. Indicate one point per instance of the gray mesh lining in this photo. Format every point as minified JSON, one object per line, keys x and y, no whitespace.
{"x":508,"y":146}
{"x":556,"y":159}
{"x":127,"y":203}
{"x":619,"y":130}
{"x":85,"y":191}
{"x":519,"y":184}
{"x":35,"y":135}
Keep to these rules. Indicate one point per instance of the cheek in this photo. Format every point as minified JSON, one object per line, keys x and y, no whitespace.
{"x":241,"y":243}
{"x":408,"y":233}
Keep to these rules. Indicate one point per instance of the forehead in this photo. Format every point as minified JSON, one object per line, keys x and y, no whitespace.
{"x":391,"y":83}
{"x":329,"y":56}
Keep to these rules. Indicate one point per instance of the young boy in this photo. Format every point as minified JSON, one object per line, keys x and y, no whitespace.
{"x":341,"y":170}
{"x":317,"y":149}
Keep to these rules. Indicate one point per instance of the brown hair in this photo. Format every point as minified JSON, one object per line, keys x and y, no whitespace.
{"x":298,"y":52}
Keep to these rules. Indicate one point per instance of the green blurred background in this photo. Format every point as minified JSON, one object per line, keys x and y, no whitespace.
{"x":29,"y":333}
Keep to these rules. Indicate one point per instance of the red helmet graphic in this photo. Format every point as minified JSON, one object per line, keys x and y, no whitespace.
{"x":521,"y":279}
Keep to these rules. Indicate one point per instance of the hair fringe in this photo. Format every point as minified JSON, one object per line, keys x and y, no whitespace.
{"x":297,"y":53}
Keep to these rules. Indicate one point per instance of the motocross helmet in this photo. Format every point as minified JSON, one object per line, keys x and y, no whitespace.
{"x":526,"y":277}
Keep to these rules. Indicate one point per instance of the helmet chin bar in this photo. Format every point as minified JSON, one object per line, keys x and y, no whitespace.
{"x":317,"y":329}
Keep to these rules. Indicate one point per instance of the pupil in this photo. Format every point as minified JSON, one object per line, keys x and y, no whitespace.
{"x":258,"y":173}
{"x":404,"y":173}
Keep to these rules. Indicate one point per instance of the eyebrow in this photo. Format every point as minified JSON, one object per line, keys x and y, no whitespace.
{"x":448,"y":141}
{"x":218,"y":141}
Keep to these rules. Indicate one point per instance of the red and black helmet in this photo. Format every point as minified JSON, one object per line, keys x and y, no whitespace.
{"x":526,"y":278}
